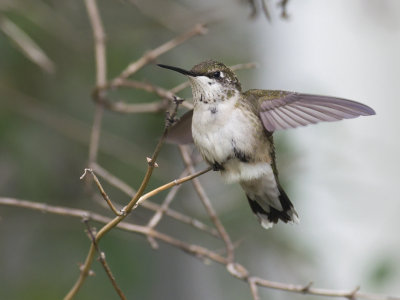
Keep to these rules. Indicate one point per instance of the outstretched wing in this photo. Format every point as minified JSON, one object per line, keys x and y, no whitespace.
{"x":181,"y":132}
{"x":292,"y":110}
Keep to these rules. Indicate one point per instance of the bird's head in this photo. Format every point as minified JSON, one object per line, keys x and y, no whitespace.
{"x":211,"y":81}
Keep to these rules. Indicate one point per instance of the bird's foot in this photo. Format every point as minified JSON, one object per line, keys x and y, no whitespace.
{"x":217,"y":167}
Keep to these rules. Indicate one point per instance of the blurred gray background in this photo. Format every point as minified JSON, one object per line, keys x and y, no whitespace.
{"x":342,"y":177}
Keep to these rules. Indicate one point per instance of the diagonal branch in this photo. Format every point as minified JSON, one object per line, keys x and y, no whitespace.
{"x":153,"y":222}
{"x":207,"y":204}
{"x":102,"y":191}
{"x":26,"y":44}
{"x":125,"y":188}
{"x":197,"y":251}
{"x":164,"y":206}
{"x":136,"y":199}
{"x":102,"y":259}
{"x":199,"y":29}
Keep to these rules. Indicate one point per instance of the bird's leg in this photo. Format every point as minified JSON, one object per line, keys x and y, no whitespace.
{"x":217,"y":166}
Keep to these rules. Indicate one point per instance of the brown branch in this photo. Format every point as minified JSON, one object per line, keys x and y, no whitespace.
{"x":113,"y":180}
{"x":101,"y":73}
{"x":164,"y":206}
{"x":26,"y":45}
{"x":134,"y":108}
{"x":102,"y":192}
{"x":195,"y":250}
{"x":74,"y":129}
{"x":102,"y":259}
{"x":145,"y":86}
{"x":152,"y":223}
{"x":253,"y":289}
{"x":114,"y":222}
{"x":151,"y":88}
{"x":99,"y":41}
{"x":158,"y":106}
{"x":245,"y":66}
{"x":95,"y":133}
{"x":171,"y":184}
{"x":128,"y":208}
{"x":125,"y":188}
{"x":149,"y":56}
{"x":207,"y":204}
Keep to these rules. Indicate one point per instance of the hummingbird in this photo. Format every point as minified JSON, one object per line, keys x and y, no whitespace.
{"x":233,"y":131}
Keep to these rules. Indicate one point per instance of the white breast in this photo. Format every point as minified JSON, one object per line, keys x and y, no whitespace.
{"x":215,"y":134}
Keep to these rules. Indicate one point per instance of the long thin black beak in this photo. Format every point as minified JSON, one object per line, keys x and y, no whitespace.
{"x":179,"y":70}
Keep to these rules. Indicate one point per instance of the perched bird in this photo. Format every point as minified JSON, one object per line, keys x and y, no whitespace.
{"x":233,"y":131}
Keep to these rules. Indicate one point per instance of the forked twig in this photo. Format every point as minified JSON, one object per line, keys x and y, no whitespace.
{"x":125,"y":188}
{"x":102,"y":192}
{"x":137,"y":198}
{"x":102,"y":259}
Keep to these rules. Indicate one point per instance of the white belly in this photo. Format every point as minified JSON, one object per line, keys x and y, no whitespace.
{"x":216,"y":134}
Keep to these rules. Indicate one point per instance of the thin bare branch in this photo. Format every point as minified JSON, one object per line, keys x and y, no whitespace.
{"x":113,"y":180}
{"x":207,"y":204}
{"x":102,"y":191}
{"x":195,"y":250}
{"x":102,"y":259}
{"x":74,"y":129}
{"x":99,"y":41}
{"x":199,"y":29}
{"x":95,"y":133}
{"x":171,"y":184}
{"x":180,"y":87}
{"x":114,"y":222}
{"x":253,"y":289}
{"x":101,"y":74}
{"x":134,"y":108}
{"x":244,"y":66}
{"x":146,"y":86}
{"x":128,"y":208}
{"x":164,"y":206}
{"x":125,"y":188}
{"x":158,"y":106}
{"x":27,"y":45}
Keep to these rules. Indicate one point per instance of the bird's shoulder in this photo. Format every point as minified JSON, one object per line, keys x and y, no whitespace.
{"x":259,"y":96}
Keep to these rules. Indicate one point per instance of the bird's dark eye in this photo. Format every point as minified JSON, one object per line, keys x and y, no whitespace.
{"x":216,"y":74}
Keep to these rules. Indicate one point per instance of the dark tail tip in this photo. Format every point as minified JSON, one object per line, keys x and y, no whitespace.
{"x":268,"y":218}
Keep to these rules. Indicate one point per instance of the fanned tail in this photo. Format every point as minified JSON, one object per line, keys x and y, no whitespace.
{"x":268,"y":200}
{"x":271,"y":215}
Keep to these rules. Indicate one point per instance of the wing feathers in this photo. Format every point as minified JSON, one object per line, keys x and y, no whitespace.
{"x":294,"y":110}
{"x":181,"y":132}
{"x":290,"y":111}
